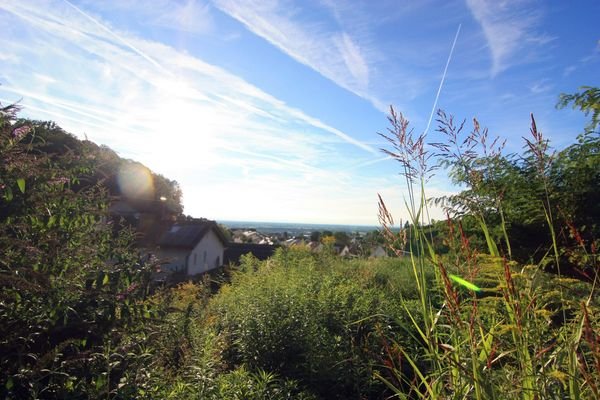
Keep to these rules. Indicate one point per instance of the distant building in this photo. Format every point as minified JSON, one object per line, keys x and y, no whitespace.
{"x":345,"y":252}
{"x":295,"y":242}
{"x":315,"y":246}
{"x":193,"y":246}
{"x":378,"y":252}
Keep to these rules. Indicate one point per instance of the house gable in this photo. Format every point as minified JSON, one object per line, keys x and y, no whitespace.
{"x":195,"y":246}
{"x":207,"y":254}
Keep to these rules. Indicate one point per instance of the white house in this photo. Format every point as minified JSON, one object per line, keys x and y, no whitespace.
{"x":194,"y":246}
{"x":378,"y":252}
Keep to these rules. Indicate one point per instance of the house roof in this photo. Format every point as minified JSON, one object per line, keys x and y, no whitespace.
{"x":187,"y":234}
{"x":235,"y":251}
{"x":121,"y":207}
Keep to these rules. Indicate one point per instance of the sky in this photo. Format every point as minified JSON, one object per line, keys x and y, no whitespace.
{"x":268,"y":110}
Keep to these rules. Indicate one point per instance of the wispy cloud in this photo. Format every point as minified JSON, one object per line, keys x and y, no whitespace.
{"x":510,"y":28}
{"x":189,"y":16}
{"x":569,"y":70}
{"x":118,"y":37}
{"x":541,"y":86}
{"x":185,"y":118}
{"x":354,"y":60}
{"x":198,"y":108}
{"x":334,"y":53}
{"x":349,"y":43}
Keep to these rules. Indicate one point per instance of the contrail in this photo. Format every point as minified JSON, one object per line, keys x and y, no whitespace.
{"x":318,"y":124}
{"x":120,"y":39}
{"x":437,"y":96}
{"x":371,"y":162}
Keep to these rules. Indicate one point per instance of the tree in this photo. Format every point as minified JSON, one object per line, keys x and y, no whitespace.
{"x":70,"y":285}
{"x":341,"y":239}
{"x":546,"y":202}
{"x":586,"y":100}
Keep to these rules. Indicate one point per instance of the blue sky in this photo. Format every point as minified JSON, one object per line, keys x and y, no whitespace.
{"x":268,"y":109}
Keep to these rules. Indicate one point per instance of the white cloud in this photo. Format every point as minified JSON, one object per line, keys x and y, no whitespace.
{"x":349,"y":43}
{"x":190,"y":16}
{"x":541,"y":86}
{"x":191,"y":121}
{"x":510,"y":30}
{"x":335,"y":54}
{"x":354,"y":60}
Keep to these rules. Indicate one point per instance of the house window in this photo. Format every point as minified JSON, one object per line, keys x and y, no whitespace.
{"x":204,"y":256}
{"x":195,"y":259}
{"x":218,"y":262}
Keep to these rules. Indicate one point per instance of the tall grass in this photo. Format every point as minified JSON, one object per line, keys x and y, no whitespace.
{"x":498,"y":330}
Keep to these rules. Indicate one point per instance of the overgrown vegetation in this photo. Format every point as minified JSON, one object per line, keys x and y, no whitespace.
{"x":498,"y":302}
{"x":504,"y":329}
{"x":70,"y":286}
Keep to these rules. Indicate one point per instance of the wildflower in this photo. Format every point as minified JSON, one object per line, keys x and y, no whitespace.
{"x":59,"y":181}
{"x":132,"y":287}
{"x":575,"y":234}
{"x":20,"y":132}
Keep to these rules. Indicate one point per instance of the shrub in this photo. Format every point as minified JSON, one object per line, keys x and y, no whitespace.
{"x":70,"y":286}
{"x":312,"y":318}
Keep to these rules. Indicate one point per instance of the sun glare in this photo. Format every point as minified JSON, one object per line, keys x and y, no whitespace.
{"x":135,"y":182}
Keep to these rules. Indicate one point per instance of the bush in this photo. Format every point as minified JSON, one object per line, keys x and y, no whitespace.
{"x":70,"y":285}
{"x":312,"y":318}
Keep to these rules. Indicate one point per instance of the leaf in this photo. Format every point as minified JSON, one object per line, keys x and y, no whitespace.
{"x":487,"y":339}
{"x":101,"y":381}
{"x":21,"y":184}
{"x":493,"y":249}
{"x":8,"y":194}
{"x":465,"y":283}
{"x":105,"y":280}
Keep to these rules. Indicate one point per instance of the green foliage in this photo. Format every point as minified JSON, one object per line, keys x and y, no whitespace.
{"x":313,"y":318}
{"x":500,"y":331}
{"x":60,"y":146}
{"x":315,"y":236}
{"x":547,"y":203}
{"x":241,"y":384}
{"x":79,"y":317}
{"x":587,"y":100}
{"x":183,"y":357}
{"x":69,"y":285}
{"x":341,"y":239}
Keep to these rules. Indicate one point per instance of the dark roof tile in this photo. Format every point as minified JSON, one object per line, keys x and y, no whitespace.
{"x":187,"y":234}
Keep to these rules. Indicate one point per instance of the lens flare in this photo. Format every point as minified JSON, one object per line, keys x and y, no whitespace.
{"x":465,"y":283}
{"x":135,"y":182}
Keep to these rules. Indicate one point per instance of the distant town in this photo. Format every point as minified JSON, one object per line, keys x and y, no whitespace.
{"x":346,"y":242}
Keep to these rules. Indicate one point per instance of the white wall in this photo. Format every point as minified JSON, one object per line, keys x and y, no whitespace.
{"x":213,"y":248}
